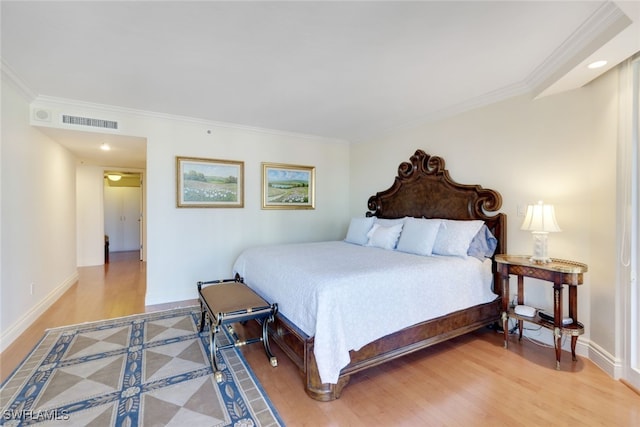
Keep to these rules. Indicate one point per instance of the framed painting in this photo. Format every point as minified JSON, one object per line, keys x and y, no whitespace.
{"x":209,"y":183}
{"x":288,"y":186}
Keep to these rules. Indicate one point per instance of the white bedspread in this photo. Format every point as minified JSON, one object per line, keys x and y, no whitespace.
{"x":348,"y":295}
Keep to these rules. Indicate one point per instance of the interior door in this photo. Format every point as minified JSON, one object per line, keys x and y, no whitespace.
{"x":130,"y":218}
{"x":122,"y":217}
{"x":141,"y":220}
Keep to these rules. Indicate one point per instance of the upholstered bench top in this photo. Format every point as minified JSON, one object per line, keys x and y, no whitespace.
{"x":232,"y":297}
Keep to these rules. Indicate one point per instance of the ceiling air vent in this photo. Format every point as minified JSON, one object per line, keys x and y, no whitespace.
{"x":86,"y":121}
{"x":42,"y":115}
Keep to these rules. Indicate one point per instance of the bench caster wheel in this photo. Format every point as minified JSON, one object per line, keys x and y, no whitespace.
{"x":218,"y":376}
{"x":274,"y":361}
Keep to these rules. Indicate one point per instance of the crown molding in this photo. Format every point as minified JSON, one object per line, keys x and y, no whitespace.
{"x":604,"y":24}
{"x":10,"y":76}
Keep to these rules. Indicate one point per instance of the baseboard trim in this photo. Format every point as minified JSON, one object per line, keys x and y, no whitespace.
{"x":631,"y":386}
{"x":605,"y":360}
{"x":10,"y":334}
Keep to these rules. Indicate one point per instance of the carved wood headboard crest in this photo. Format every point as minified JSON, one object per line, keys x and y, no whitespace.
{"x":424,"y":188}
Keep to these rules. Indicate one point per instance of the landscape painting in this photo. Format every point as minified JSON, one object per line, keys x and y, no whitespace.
{"x":209,"y":183}
{"x":288,"y":186}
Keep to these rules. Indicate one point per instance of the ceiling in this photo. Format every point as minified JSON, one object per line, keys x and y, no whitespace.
{"x":334,"y":69}
{"x":125,"y":152}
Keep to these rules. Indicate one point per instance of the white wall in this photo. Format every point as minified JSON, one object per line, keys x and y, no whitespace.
{"x":561,"y":149}
{"x":38,"y":217}
{"x":604,"y":259}
{"x":187,"y":245}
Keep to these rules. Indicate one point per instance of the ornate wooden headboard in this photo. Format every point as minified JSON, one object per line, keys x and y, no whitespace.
{"x":423,"y":188}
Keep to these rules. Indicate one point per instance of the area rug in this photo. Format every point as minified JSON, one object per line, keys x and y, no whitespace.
{"x":143,"y":370}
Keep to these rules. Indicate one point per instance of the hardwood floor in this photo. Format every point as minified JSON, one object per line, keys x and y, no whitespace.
{"x":468,"y":381}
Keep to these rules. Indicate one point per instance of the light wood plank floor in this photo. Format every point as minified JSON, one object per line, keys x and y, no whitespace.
{"x":468,"y":381}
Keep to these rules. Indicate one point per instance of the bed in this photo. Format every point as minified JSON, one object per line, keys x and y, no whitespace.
{"x":404,"y":299}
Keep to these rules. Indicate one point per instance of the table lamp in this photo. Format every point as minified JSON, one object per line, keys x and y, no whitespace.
{"x":540,"y":220}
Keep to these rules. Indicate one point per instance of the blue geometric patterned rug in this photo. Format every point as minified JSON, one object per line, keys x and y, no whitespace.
{"x":145,"y":370}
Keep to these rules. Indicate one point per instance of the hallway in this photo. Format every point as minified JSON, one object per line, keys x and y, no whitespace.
{"x":105,"y":291}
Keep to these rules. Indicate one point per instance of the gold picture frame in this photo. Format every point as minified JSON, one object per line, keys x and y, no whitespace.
{"x":209,"y":183}
{"x":288,"y":186}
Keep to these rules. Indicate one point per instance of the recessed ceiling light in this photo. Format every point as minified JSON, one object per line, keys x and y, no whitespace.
{"x":105,"y":147}
{"x":597,"y":64}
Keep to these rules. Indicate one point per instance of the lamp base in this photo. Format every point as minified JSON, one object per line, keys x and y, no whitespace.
{"x":540,"y":248}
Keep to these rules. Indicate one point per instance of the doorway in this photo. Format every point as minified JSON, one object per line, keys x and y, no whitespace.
{"x":123,"y":212}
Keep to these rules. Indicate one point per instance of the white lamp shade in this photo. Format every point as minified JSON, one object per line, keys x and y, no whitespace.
{"x":540,"y":217}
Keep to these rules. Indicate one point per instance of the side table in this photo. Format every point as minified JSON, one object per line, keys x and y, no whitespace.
{"x":559,"y":272}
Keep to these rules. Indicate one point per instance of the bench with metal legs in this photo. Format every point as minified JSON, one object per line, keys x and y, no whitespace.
{"x":223,"y":302}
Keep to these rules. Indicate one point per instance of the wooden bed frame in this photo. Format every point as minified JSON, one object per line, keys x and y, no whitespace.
{"x":423,"y":188}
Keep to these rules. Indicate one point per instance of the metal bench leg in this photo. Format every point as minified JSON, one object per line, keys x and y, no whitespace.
{"x":265,"y":340}
{"x":202,"y":315}
{"x":213,"y":349}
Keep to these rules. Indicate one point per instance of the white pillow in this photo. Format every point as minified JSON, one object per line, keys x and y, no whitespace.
{"x":384,"y":237}
{"x":419,"y":235}
{"x":388,"y":222}
{"x":454,"y":237}
{"x":358,"y":229}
